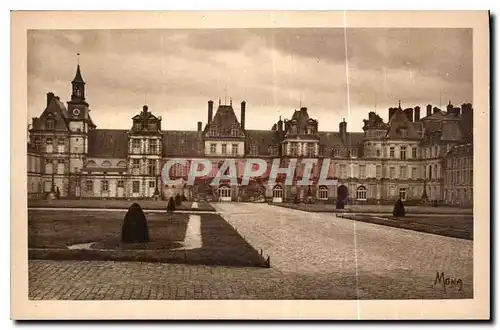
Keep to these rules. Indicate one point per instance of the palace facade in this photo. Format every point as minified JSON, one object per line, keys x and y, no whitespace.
{"x":410,"y":157}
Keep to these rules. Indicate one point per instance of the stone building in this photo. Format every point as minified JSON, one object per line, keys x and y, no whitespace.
{"x":458,"y":175}
{"x":401,"y":158}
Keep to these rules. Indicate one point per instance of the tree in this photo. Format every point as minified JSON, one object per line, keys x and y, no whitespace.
{"x":171,"y":205}
{"x":399,"y":209}
{"x":135,"y":226}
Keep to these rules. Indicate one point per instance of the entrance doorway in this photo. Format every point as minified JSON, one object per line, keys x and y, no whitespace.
{"x":277,"y":194}
{"x":342,"y":193}
{"x":224,"y":194}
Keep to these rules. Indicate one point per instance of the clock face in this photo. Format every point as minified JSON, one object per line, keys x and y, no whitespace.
{"x":76,"y":112}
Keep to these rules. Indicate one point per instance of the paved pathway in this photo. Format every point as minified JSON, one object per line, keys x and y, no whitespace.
{"x":313,"y":256}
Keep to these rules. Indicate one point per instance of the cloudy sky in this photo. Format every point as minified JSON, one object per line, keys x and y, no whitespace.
{"x":274,"y":70}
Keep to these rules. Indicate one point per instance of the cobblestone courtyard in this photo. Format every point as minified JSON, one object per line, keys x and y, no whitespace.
{"x":313,"y":256}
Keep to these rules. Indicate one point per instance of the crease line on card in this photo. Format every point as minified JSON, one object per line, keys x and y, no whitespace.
{"x":348,"y":121}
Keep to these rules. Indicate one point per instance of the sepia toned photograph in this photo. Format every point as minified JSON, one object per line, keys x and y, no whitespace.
{"x":278,"y":163}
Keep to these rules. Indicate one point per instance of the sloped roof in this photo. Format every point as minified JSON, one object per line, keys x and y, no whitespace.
{"x":78,"y":76}
{"x":262,"y":139}
{"x":182,"y":144}
{"x":332,"y":140}
{"x":224,"y":119}
{"x":400,"y":121}
{"x":108,"y":143}
{"x":55,"y":109}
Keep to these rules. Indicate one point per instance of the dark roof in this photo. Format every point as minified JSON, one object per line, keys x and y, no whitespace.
{"x":183,"y":143}
{"x":262,"y":139}
{"x":224,"y":118}
{"x":331,"y":140}
{"x":398,"y":121}
{"x":56,"y":110}
{"x":78,"y":76}
{"x":108,"y":143}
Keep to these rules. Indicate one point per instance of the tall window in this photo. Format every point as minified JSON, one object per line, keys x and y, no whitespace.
{"x":361,"y":193}
{"x":152,"y":146}
{"x":414,"y":152}
{"x":342,"y":171}
{"x":48,"y":166}
{"x":120,"y":184}
{"x":392,"y":172}
{"x":402,"y":194}
{"x":402,"y":152}
{"x":294,"y":148}
{"x":234,"y":149}
{"x":391,"y":152}
{"x":362,"y":171}
{"x":49,"y":145}
{"x":323,"y":192}
{"x":89,"y":185}
{"x":60,"y":145}
{"x":213,"y":147}
{"x":403,"y":172}
{"x":135,"y":186}
{"x":378,"y":152}
{"x":253,"y":150}
{"x":152,"y":167}
{"x":104,"y":185}
{"x":151,"y":184}
{"x":60,"y":166}
{"x":379,"y":171}
{"x":224,"y":148}
{"x":310,"y":150}
{"x":136,"y":165}
{"x":136,"y":145}
{"x":414,"y":173}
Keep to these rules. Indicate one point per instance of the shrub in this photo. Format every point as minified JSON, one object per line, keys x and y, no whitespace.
{"x":135,"y":226}
{"x":399,"y":209}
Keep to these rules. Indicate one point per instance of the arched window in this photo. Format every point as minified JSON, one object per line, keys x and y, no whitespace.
{"x":49,"y":147}
{"x":323,"y":192}
{"x":277,"y":191}
{"x":91,"y":163}
{"x":361,"y":193}
{"x":224,"y":192}
{"x":106,"y":163}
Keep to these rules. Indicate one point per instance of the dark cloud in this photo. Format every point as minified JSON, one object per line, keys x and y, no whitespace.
{"x":274,"y":70}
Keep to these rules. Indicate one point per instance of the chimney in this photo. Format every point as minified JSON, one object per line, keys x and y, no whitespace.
{"x":409,"y":114}
{"x":50,"y":96}
{"x":242,"y":119}
{"x":429,"y":110}
{"x":343,"y":130}
{"x":210,"y":111}
{"x":435,"y":109}
{"x":417,"y":113}
{"x":199,"y":126}
{"x":449,"y":107}
{"x":392,"y":111}
{"x":280,"y":125}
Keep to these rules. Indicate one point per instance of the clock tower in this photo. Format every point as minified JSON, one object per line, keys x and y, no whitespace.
{"x":79,"y":123}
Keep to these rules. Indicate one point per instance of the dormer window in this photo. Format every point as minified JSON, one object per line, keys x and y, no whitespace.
{"x":253,"y":150}
{"x":50,"y":123}
{"x":404,"y":133}
{"x":213,"y":130}
{"x":234,"y":130}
